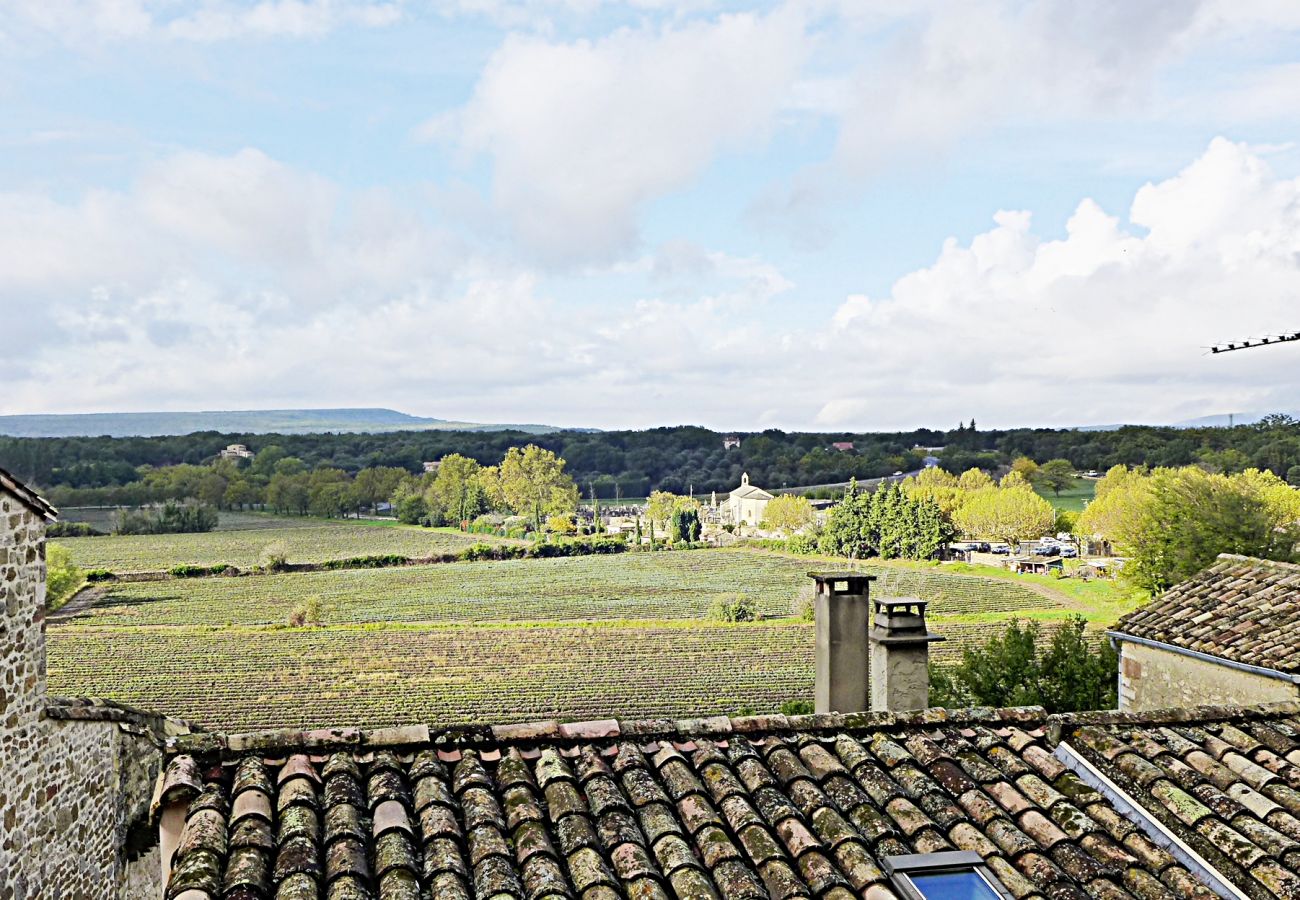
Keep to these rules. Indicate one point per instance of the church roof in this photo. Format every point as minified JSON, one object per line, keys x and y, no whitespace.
{"x":747,"y":491}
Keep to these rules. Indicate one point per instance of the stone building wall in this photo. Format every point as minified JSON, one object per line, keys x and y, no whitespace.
{"x":76,"y":777}
{"x":1152,"y":678}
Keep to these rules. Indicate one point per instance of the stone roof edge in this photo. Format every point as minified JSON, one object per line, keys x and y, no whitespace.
{"x":94,"y":709}
{"x":287,"y":740}
{"x":28,"y":497}
{"x":1059,"y":725}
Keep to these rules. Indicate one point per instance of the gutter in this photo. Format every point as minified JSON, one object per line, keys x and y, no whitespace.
{"x":1206,"y":657}
{"x":1151,"y":826}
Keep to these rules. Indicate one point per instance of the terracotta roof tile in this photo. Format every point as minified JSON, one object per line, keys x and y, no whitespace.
{"x":1243,"y":609}
{"x":633,"y":811}
{"x":1214,"y":778}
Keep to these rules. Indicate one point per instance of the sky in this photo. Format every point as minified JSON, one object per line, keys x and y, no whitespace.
{"x":815,"y":214}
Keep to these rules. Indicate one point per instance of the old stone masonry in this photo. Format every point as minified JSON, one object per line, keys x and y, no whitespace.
{"x":76,"y":777}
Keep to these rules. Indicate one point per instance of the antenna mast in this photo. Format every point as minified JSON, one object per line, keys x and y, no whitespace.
{"x":1259,"y":342}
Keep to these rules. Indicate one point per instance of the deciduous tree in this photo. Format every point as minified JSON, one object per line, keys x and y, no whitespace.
{"x":532,"y":482}
{"x":788,"y":513}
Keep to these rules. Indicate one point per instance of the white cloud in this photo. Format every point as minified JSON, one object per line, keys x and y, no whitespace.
{"x":212,"y":20}
{"x":581,"y":135}
{"x":272,"y":287}
{"x":1106,"y":324}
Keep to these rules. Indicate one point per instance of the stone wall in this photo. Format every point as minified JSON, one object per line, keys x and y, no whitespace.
{"x":76,"y":777}
{"x":1151,"y":678}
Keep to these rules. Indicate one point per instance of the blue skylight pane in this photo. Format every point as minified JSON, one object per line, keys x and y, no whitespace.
{"x":953,"y":886}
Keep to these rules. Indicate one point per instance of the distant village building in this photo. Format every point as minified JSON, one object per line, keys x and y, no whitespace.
{"x":431,"y":467}
{"x":747,"y":503}
{"x":236,"y":451}
{"x":842,"y":446}
{"x":731,"y":442}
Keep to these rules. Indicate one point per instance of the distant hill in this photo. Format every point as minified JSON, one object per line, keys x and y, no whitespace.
{"x":1226,"y":419}
{"x":248,"y":421}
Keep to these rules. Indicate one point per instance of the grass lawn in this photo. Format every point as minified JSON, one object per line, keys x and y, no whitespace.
{"x":1074,"y":498}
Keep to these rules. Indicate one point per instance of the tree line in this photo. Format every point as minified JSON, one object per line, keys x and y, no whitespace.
{"x":680,"y":459}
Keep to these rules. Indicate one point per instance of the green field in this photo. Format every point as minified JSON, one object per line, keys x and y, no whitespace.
{"x":579,"y":637}
{"x":1074,"y":498}
{"x":238,"y":679}
{"x":241,"y":537}
{"x":677,"y":585}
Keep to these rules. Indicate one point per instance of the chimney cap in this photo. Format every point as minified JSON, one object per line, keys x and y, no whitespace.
{"x":843,"y":583}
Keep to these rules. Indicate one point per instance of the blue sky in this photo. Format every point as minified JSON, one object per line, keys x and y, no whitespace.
{"x":811,"y":214}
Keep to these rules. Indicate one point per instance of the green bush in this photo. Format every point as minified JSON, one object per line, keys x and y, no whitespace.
{"x":72,"y":529}
{"x":373,"y":561}
{"x":62,"y":577}
{"x":733,"y":608}
{"x":173,"y":518}
{"x":1071,"y":674}
{"x":797,"y":708}
{"x":274,"y":556}
{"x":95,"y":575}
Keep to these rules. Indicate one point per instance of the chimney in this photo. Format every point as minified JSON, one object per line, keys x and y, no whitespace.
{"x":842,"y":609}
{"x":900,"y":655}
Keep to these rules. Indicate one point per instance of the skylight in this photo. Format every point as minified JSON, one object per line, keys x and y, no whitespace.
{"x":943,"y":876}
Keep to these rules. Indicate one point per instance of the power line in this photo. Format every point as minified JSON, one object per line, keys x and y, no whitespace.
{"x":1259,"y":342}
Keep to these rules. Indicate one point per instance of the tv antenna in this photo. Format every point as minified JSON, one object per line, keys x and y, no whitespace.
{"x":1256,"y":342}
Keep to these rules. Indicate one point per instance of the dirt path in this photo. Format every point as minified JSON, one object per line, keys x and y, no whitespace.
{"x":77,"y":604}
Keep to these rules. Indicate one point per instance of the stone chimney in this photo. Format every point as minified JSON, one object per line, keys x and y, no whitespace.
{"x":842,"y":608}
{"x":900,"y":655}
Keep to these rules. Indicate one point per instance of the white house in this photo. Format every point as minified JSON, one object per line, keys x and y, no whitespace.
{"x":236,"y":451}
{"x":747,"y":503}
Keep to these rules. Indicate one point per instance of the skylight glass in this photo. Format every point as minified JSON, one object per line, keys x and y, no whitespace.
{"x":956,"y":875}
{"x":967,"y":885}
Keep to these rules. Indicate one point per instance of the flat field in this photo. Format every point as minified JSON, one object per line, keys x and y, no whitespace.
{"x":240,"y":679}
{"x":654,"y":586}
{"x":1075,"y":497}
{"x":582,"y":637}
{"x":241,"y":537}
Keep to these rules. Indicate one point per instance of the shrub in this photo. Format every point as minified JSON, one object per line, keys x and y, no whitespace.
{"x":479,"y":551}
{"x":62,"y":577}
{"x":1072,"y":673}
{"x":797,"y":708}
{"x":187,"y":571}
{"x":95,"y":575}
{"x":72,"y":529}
{"x":173,"y":518}
{"x":733,"y":608}
{"x":309,"y":612}
{"x":274,"y":556}
{"x":373,"y":561}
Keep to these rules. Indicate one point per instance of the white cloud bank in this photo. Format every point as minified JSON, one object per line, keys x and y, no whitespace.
{"x":220,"y":282}
{"x":582,"y":134}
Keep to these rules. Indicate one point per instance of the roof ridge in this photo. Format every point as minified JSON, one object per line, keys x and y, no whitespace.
{"x":553,"y":731}
{"x":26,"y":496}
{"x":1058,"y":724}
{"x":1256,"y":560}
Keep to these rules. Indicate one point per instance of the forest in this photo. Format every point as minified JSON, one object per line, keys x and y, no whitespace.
{"x":679,"y":459}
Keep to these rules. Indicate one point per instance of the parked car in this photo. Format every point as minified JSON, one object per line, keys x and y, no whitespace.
{"x":1000,"y":549}
{"x":1047,"y":550}
{"x":1069,"y":552}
